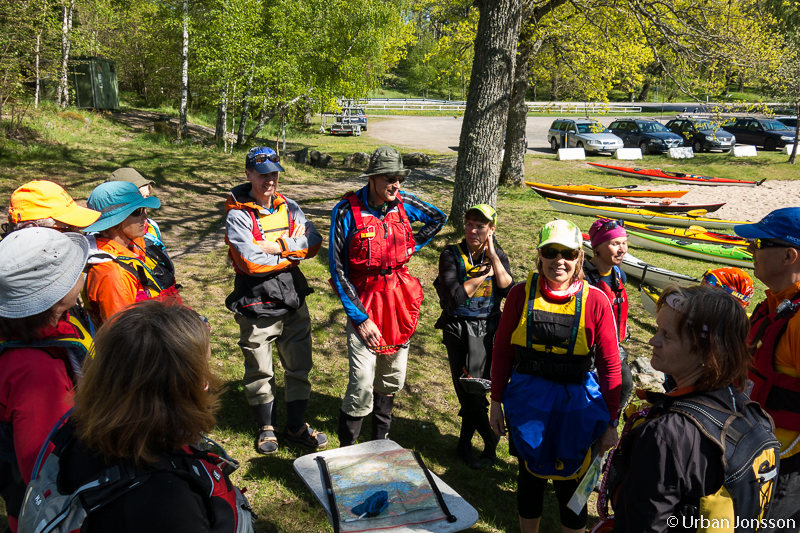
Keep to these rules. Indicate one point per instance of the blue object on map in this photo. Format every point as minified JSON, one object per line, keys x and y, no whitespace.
{"x":372,"y":506}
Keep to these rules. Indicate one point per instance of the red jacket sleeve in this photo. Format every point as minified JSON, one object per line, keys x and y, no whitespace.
{"x":35,"y":390}
{"x":503,"y":353}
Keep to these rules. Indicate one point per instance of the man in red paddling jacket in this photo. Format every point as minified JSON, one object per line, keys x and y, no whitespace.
{"x":267,"y":236}
{"x":371,"y":241}
{"x":775,"y":343}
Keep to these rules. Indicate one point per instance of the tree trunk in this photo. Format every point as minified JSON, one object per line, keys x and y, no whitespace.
{"x":36,"y":90}
{"x":222,"y":117}
{"x":266,"y":115}
{"x":793,"y":155}
{"x":182,"y":128}
{"x":513,"y":171}
{"x":245,"y":110}
{"x":486,"y":112}
{"x":554,"y":85}
{"x":62,"y":94}
{"x":741,"y":82}
{"x":308,"y":114}
{"x":645,"y":93}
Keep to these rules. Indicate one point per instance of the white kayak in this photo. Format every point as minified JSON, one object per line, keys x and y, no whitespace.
{"x":655,"y":276}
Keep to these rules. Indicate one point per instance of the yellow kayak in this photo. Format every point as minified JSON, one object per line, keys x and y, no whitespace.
{"x":642,"y":215}
{"x":690,"y":234}
{"x":591,"y":190}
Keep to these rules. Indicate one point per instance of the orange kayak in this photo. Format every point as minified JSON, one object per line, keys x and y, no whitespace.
{"x":623,"y":192}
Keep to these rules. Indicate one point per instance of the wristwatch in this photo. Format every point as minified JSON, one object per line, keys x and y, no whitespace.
{"x":614,"y":423}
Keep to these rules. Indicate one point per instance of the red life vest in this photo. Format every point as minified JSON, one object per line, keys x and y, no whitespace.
{"x":778,"y":393}
{"x":377,"y":257}
{"x":617,"y":296}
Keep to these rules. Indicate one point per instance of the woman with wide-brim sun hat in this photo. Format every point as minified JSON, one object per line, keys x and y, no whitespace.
{"x":553,"y":328}
{"x":124,"y":269}
{"x":41,"y":351}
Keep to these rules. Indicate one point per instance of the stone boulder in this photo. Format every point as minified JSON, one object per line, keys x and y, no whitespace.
{"x":416,"y":159}
{"x":356,"y":160}
{"x":319,"y":159}
{"x":298,"y":156}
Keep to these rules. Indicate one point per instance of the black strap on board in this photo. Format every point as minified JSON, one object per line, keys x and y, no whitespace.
{"x":326,"y":478}
{"x":450,"y":517}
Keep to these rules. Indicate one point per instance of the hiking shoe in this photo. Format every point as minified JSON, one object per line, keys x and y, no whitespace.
{"x":267,"y":442}
{"x":307,"y":437}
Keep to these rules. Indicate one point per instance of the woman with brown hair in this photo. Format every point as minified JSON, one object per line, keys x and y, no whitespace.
{"x":674,"y":457}
{"x":554,"y":328}
{"x":147,"y":395}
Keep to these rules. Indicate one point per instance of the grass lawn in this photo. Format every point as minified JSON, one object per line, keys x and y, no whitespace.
{"x":192,"y":183}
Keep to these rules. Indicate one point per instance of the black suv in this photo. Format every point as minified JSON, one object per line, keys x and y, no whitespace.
{"x":766,"y":132}
{"x":701,"y":134}
{"x":649,"y":135}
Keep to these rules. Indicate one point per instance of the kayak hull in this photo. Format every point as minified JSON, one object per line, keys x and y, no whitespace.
{"x":591,"y":190}
{"x":642,"y":215}
{"x":687,"y":234}
{"x":611,"y":201}
{"x":649,"y":296}
{"x":655,"y":276}
{"x":672,"y":177}
{"x":718,"y":253}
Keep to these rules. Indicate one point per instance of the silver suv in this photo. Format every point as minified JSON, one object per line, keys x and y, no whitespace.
{"x":582,"y":133}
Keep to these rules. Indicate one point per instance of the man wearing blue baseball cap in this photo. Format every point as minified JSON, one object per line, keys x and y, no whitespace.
{"x":267,"y":236}
{"x":124,"y":268}
{"x":774,"y":379}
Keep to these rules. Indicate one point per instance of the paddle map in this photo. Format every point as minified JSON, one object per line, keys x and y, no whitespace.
{"x":355,"y":478}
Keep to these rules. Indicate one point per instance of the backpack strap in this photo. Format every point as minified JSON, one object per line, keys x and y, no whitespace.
{"x":450,"y":517}
{"x":326,"y":478}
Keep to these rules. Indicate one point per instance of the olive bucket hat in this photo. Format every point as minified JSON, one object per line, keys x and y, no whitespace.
{"x":385,"y":160}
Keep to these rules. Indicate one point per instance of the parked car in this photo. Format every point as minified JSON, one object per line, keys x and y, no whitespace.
{"x":701,"y":134}
{"x":788,"y":121}
{"x":649,"y":135}
{"x":765,"y":132}
{"x":582,"y":133}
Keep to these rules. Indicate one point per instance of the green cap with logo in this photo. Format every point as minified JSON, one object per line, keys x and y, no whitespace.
{"x":485,"y":210}
{"x":385,"y":160}
{"x":561,"y":232}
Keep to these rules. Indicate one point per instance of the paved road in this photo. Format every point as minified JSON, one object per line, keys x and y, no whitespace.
{"x":442,"y":134}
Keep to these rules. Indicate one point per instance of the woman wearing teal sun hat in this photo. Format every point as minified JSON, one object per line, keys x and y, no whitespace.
{"x":474,"y":277}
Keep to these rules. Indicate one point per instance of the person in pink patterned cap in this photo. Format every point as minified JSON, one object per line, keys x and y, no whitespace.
{"x":609,"y":245}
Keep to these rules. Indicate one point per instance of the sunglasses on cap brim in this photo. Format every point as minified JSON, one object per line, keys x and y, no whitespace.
{"x":711,"y":278}
{"x":611,"y":224}
{"x":550,"y":252}
{"x":263,"y":158}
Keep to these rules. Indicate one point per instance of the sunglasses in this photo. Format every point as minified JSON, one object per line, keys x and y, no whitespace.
{"x":549,"y":252}
{"x":263,"y":158}
{"x":710,"y":278}
{"x":139,"y":212}
{"x":611,"y":224}
{"x":760,"y":244}
{"x":477,"y":268}
{"x":394,"y":179}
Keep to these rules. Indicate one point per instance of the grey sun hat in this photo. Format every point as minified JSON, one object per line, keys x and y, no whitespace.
{"x":131,"y":176}
{"x":38,"y":267}
{"x":385,"y":160}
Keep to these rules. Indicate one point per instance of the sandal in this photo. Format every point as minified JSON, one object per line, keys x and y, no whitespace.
{"x":307,"y":437}
{"x":267,"y":444}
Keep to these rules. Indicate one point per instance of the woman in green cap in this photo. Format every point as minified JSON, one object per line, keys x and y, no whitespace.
{"x":554,"y":329}
{"x":474,"y":277}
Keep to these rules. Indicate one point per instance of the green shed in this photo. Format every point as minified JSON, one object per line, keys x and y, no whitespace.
{"x":95,"y":83}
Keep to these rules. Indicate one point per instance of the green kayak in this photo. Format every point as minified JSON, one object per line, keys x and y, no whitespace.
{"x":718,"y":253}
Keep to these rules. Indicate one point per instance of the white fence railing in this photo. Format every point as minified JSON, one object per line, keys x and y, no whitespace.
{"x":425,"y":104}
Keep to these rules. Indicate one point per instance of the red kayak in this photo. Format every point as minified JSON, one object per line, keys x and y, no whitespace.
{"x":674,"y":177}
{"x":665,"y":206}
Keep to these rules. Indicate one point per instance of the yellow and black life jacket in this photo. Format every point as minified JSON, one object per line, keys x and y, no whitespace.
{"x":550,"y":339}
{"x":155,"y":272}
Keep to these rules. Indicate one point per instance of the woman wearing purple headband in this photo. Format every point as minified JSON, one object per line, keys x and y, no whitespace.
{"x":609,"y":246}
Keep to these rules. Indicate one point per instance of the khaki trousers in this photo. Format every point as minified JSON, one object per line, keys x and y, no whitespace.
{"x":369,"y":371}
{"x":292,"y":334}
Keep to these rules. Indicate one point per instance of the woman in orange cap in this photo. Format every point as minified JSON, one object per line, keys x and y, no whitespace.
{"x":732,"y":280}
